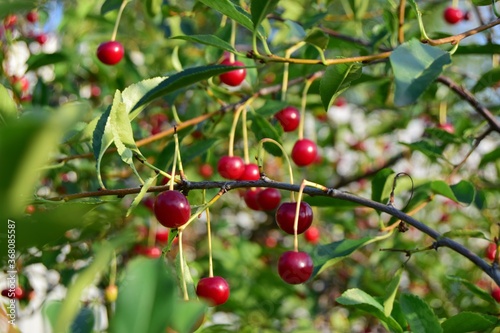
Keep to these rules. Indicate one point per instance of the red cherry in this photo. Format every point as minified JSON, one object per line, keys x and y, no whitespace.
{"x":41,"y":39}
{"x":251,"y":172}
{"x":206,"y":171}
{"x":491,"y":251}
{"x":340,"y":102}
{"x":496,"y":294}
{"x":152,"y":252}
{"x":235,"y":77}
{"x":231,"y":167}
{"x":17,"y":293}
{"x":161,"y":236}
{"x":295,"y":267}
{"x":32,"y":17}
{"x":304,"y":152}
{"x":110,"y":53}
{"x":271,"y":242}
{"x":269,"y":199}
{"x":172,"y":209}
{"x":312,"y":235}
{"x":467,"y":16}
{"x":9,"y":21}
{"x":30,"y":209}
{"x":95,"y":91}
{"x":289,"y":118}
{"x":453,"y":15}
{"x":215,"y":290}
{"x":149,"y":203}
{"x":20,"y":84}
{"x":251,"y":198}
{"x":285,"y":216}
{"x":447,"y":127}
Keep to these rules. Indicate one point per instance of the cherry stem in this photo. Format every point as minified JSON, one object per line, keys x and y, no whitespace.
{"x":303,"y":104}
{"x":296,"y":219}
{"x":245,"y":136}
{"x":161,"y":172}
{"x":176,"y":115}
{"x":401,"y":33}
{"x":454,"y":3}
{"x":174,"y":162}
{"x":232,"y":40}
{"x":288,"y":54}
{"x":118,"y":18}
{"x":260,"y":155}
{"x":181,"y":260}
{"x":235,"y":122}
{"x":178,"y":157}
{"x":209,"y":234}
{"x":442,"y":113}
{"x":112,"y":273}
{"x":202,"y":208}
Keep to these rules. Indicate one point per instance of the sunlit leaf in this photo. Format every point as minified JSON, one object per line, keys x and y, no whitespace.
{"x":336,"y":80}
{"x":327,"y":255}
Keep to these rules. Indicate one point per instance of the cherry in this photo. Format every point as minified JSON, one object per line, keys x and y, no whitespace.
{"x":271,"y":241}
{"x":340,"y":102}
{"x":251,"y":172}
{"x":32,"y":17}
{"x":17,"y":293}
{"x":491,"y":251}
{"x":206,"y":171}
{"x":161,"y":236}
{"x":447,"y":127}
{"x":312,"y":235}
{"x":235,"y":77}
{"x":149,"y":203}
{"x":20,"y":84}
{"x":215,"y":290}
{"x":152,"y":252}
{"x":295,"y":267}
{"x":231,"y":167}
{"x":453,"y":15}
{"x":285,"y":216}
{"x":250,"y":198}
{"x":110,"y":53}
{"x":172,"y":209}
{"x":304,"y":152}
{"x":30,"y":209}
{"x":289,"y":118}
{"x":111,"y":293}
{"x":9,"y":21}
{"x":495,"y":293}
{"x":269,"y":199}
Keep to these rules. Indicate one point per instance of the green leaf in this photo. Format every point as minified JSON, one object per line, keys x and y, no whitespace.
{"x":102,"y":138}
{"x":138,"y":198}
{"x":15,"y":6}
{"x":469,"y":322}
{"x":271,"y":107}
{"x":191,"y":289}
{"x":382,"y":185}
{"x":327,"y":255}
{"x":153,"y":7}
{"x":133,"y":93}
{"x":232,"y":11}
{"x":416,"y":66}
{"x":181,"y":80}
{"x":482,"y":2}
{"x":186,"y":315}
{"x":260,"y":9}
{"x":478,"y":49}
{"x":419,"y":315}
{"x":490,"y":157}
{"x":8,"y":108}
{"x":146,"y":297}
{"x":481,"y":293}
{"x":211,"y":40}
{"x":263,"y":129}
{"x":465,"y":233}
{"x":363,"y":301}
{"x":391,"y":291}
{"x":337,"y":79}
{"x":110,"y":5}
{"x":429,"y":149}
{"x":43,"y":59}
{"x":83,"y":323}
{"x":317,"y":37}
{"x":463,"y":191}
{"x":488,"y":79}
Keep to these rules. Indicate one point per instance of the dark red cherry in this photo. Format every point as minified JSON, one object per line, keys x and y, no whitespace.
{"x":312,"y":235}
{"x":269,"y":199}
{"x":206,"y":171}
{"x":110,"y":53}
{"x":215,"y":290}
{"x":285,"y":216}
{"x":235,"y":77}
{"x":152,"y":252}
{"x":17,"y":293}
{"x":32,"y":17}
{"x":295,"y":267}
{"x":491,"y":251}
{"x":495,"y":293}
{"x":289,"y":118}
{"x":161,"y":236}
{"x":304,"y":152}
{"x":251,"y":172}
{"x":41,"y":38}
{"x":250,"y":198}
{"x":231,"y":167}
{"x":172,"y":209}
{"x":453,"y":15}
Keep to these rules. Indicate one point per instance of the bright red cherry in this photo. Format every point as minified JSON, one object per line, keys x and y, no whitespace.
{"x":295,"y":267}
{"x":110,"y":53}
{"x":453,"y":15}
{"x":312,"y":235}
{"x":447,"y":127}
{"x":285,"y":217}
{"x":251,"y":198}
{"x":172,"y":209}
{"x":20,"y":84}
{"x":9,"y":21}
{"x":340,"y":102}
{"x":496,"y":294}
{"x":152,"y":252}
{"x":251,"y":172}
{"x":32,"y":17}
{"x":289,"y":118}
{"x":161,"y":236}
{"x":206,"y":171}
{"x":269,"y":199}
{"x":17,"y":293}
{"x":491,"y":251}
{"x":304,"y":152}
{"x":235,"y":77}
{"x":215,"y":290}
{"x":41,"y":38}
{"x":231,"y":167}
